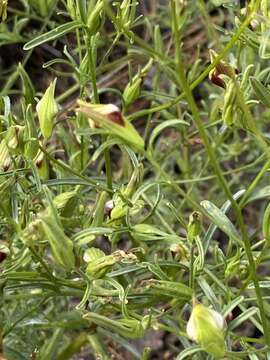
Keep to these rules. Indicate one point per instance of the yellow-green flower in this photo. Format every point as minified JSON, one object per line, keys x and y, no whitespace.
{"x":205,"y":327}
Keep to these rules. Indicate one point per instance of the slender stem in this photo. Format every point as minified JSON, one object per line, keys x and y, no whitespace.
{"x":96,"y":99}
{"x":72,"y":171}
{"x":213,"y":160}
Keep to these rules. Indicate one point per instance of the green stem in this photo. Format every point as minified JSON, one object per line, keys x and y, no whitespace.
{"x":72,"y":171}
{"x":96,"y":99}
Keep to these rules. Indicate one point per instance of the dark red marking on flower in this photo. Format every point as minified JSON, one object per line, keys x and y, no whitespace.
{"x":117,"y":118}
{"x":2,"y":256}
{"x":39,"y":163}
{"x":6,"y":167}
{"x":215,"y":79}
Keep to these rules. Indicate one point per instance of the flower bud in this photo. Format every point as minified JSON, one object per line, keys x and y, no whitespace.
{"x":47,"y":109}
{"x":194,"y":225}
{"x":108,"y":207}
{"x":205,"y":327}
{"x":14,"y":138}
{"x":132,"y":90}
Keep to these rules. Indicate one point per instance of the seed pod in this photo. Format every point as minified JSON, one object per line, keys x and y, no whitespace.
{"x":205,"y":327}
{"x":110,"y":118}
{"x":132,"y":90}
{"x":47,"y":109}
{"x":61,"y":245}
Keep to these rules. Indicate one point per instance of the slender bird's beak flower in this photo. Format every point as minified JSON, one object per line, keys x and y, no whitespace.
{"x":110,"y":118}
{"x":205,"y":327}
{"x":221,"y":68}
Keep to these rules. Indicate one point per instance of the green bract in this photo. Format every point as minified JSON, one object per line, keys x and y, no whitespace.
{"x":47,"y":109}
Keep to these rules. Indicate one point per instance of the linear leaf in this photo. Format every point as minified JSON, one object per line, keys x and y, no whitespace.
{"x":52,"y":34}
{"x":261,"y":91}
{"x":220,"y":219}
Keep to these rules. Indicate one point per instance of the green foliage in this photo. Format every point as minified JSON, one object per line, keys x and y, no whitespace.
{"x":137,"y":184}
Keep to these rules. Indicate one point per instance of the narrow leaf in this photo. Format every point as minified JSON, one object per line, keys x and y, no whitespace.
{"x":220,"y":219}
{"x":261,"y":91}
{"x":52,"y":35}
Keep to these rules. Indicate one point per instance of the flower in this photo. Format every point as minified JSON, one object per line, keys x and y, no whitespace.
{"x":205,"y":327}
